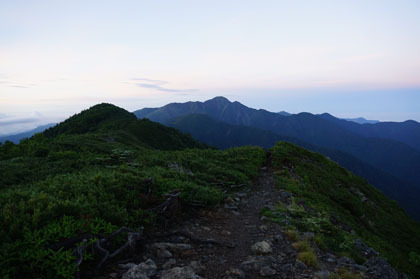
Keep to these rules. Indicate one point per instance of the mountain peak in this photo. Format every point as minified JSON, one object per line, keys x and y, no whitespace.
{"x":91,"y":119}
{"x":219,"y":99}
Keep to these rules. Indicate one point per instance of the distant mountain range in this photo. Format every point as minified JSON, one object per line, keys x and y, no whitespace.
{"x":361,"y":120}
{"x":15,"y":138}
{"x":387,"y":153}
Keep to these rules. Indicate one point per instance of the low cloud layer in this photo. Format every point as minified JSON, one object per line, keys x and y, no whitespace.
{"x":10,"y":124}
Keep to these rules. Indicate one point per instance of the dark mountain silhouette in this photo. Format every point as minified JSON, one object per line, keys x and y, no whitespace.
{"x":407,"y":132}
{"x":223,"y":135}
{"x":392,"y":156}
{"x":387,"y":155}
{"x":15,"y":138}
{"x":284,"y":113}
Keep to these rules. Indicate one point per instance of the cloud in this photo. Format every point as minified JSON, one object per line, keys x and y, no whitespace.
{"x":160,"y":88}
{"x":154,"y":81}
{"x":12,"y":121}
{"x":157,"y":85}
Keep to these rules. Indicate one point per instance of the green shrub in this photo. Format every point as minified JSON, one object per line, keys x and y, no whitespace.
{"x":308,"y":258}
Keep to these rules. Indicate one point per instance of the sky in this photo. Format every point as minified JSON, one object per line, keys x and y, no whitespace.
{"x":348,"y":58}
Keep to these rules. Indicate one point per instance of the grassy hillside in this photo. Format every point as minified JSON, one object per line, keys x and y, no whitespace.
{"x":97,"y":171}
{"x":341,"y":207}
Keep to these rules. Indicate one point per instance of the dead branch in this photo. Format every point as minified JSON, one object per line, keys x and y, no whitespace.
{"x":171,"y":200}
{"x":78,"y":253}
{"x":132,"y":239}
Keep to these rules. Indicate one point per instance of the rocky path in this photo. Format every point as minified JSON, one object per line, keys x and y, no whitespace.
{"x":233,"y":241}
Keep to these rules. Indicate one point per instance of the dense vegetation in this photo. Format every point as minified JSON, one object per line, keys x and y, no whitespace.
{"x":95,"y":172}
{"x":341,"y":207}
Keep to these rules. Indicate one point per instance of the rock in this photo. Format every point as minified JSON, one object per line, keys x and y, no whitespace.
{"x":263,"y":228}
{"x":367,"y":251}
{"x":379,"y":268}
{"x":278,"y":237}
{"x":285,"y":194}
{"x":206,"y":228}
{"x":236,"y":273}
{"x":113,"y":275}
{"x":344,"y":261}
{"x":262,"y":247}
{"x":330,"y":260}
{"x":175,"y":247}
{"x":126,"y":266}
{"x":323,"y":274}
{"x":196,"y":266}
{"x":254,"y":263}
{"x":236,"y":212}
{"x":229,"y":201}
{"x":359,"y":267}
{"x":300,"y":265}
{"x":189,"y":253}
{"x":241,"y":195}
{"x":180,"y":169}
{"x":185,"y":272}
{"x":143,"y":270}
{"x":225,"y":233}
{"x":163,"y":253}
{"x":169,"y":264}
{"x":266,"y":271}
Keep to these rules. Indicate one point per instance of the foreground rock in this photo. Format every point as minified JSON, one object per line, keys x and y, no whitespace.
{"x":262,"y":248}
{"x":143,"y":270}
{"x":185,"y":272}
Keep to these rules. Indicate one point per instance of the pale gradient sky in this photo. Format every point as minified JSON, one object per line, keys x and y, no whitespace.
{"x":349,"y":58}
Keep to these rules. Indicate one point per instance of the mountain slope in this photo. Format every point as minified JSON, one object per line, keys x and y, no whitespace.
{"x":324,"y":194}
{"x":223,"y":135}
{"x":407,"y":132}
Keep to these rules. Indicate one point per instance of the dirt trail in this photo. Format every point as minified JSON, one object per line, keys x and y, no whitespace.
{"x":237,"y":222}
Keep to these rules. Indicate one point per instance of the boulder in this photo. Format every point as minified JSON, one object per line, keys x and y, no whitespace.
{"x":262,"y":248}
{"x":185,"y":272}
{"x":143,"y":270}
{"x":267,"y":271}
